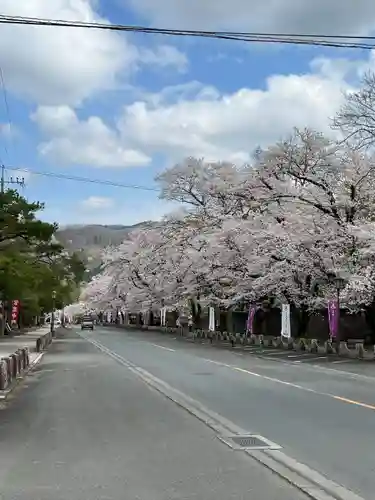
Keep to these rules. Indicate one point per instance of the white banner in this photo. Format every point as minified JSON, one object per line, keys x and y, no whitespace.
{"x":163,"y":316}
{"x":285,"y":321}
{"x":211,"y":319}
{"x":126,"y":317}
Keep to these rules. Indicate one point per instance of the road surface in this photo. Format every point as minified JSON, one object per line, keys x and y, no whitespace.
{"x":323,"y":418}
{"x":83,"y":426}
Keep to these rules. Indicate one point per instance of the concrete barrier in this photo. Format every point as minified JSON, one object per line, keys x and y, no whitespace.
{"x":4,"y":378}
{"x":18,"y":357}
{"x":287,"y":344}
{"x":269,"y":342}
{"x":9,"y":363}
{"x":43,"y":342}
{"x":313,"y":346}
{"x":278,"y":343}
{"x":25,"y":358}
{"x":14,"y":365}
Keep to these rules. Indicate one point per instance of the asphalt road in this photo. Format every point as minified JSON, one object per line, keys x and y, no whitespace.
{"x":331,"y":361}
{"x":84,"y":427}
{"x":321,"y":417}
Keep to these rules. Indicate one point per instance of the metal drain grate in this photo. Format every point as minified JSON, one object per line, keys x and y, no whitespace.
{"x":249,"y":442}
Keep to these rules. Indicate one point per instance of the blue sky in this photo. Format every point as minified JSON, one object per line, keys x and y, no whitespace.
{"x":118,"y":108}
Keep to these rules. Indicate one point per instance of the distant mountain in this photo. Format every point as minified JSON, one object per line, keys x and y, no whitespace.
{"x":95,"y":236}
{"x":91,"y":239}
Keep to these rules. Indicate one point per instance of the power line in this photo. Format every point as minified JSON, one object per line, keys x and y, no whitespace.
{"x":83,"y":179}
{"x":6,"y":103}
{"x":11,"y":182}
{"x":335,"y":41}
{"x":66,"y":23}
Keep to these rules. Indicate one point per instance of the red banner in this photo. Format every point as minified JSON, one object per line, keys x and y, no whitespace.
{"x":15,"y":310}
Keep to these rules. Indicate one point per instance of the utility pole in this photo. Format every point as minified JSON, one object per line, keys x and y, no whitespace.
{"x":2,"y":178}
{"x":17,"y":181}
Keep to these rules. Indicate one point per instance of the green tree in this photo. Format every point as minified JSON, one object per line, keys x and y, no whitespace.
{"x":18,"y":221}
{"x":32,"y":263}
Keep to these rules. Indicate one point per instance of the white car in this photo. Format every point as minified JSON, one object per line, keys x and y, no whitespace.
{"x":87,"y":324}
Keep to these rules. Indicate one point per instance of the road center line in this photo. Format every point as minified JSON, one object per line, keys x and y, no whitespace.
{"x":248,"y":372}
{"x":278,"y":381}
{"x":165,"y":348}
{"x":295,"y":386}
{"x":357,"y":403}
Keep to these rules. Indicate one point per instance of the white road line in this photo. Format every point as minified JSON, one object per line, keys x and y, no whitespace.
{"x":344,"y":373}
{"x":162,"y":347}
{"x":298,"y":355}
{"x":278,"y":381}
{"x":289,"y":384}
{"x":342,"y":361}
{"x":125,"y":362}
{"x":311,"y":359}
{"x":273,"y":353}
{"x":218,"y":363}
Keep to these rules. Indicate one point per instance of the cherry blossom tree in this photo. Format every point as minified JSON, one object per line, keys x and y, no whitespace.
{"x":301,"y":214}
{"x":356,"y":118}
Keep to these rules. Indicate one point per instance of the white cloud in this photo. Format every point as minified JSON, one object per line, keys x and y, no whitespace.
{"x":89,"y":142}
{"x":8,"y":131}
{"x":288,"y":16}
{"x":198,"y":120}
{"x":97,"y":203}
{"x":66,"y":65}
{"x":164,"y":56}
{"x":229,"y":126}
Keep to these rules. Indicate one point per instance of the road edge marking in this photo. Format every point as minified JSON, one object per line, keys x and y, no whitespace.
{"x":355,"y":403}
{"x":299,"y":475}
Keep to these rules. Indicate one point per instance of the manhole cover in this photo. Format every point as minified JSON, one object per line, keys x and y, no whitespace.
{"x":249,"y":442}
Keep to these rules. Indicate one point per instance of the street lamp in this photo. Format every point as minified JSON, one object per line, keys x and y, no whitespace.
{"x":64,"y":283}
{"x":53,"y":312}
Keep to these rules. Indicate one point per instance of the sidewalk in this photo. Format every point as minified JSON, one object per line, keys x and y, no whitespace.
{"x":88,"y":428}
{"x":18,"y":352}
{"x":10,"y":344}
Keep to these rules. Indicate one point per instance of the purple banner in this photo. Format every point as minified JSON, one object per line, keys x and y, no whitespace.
{"x":333,"y":318}
{"x":250,"y":319}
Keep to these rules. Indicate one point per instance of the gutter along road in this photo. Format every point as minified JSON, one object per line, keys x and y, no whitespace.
{"x":322,"y":418}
